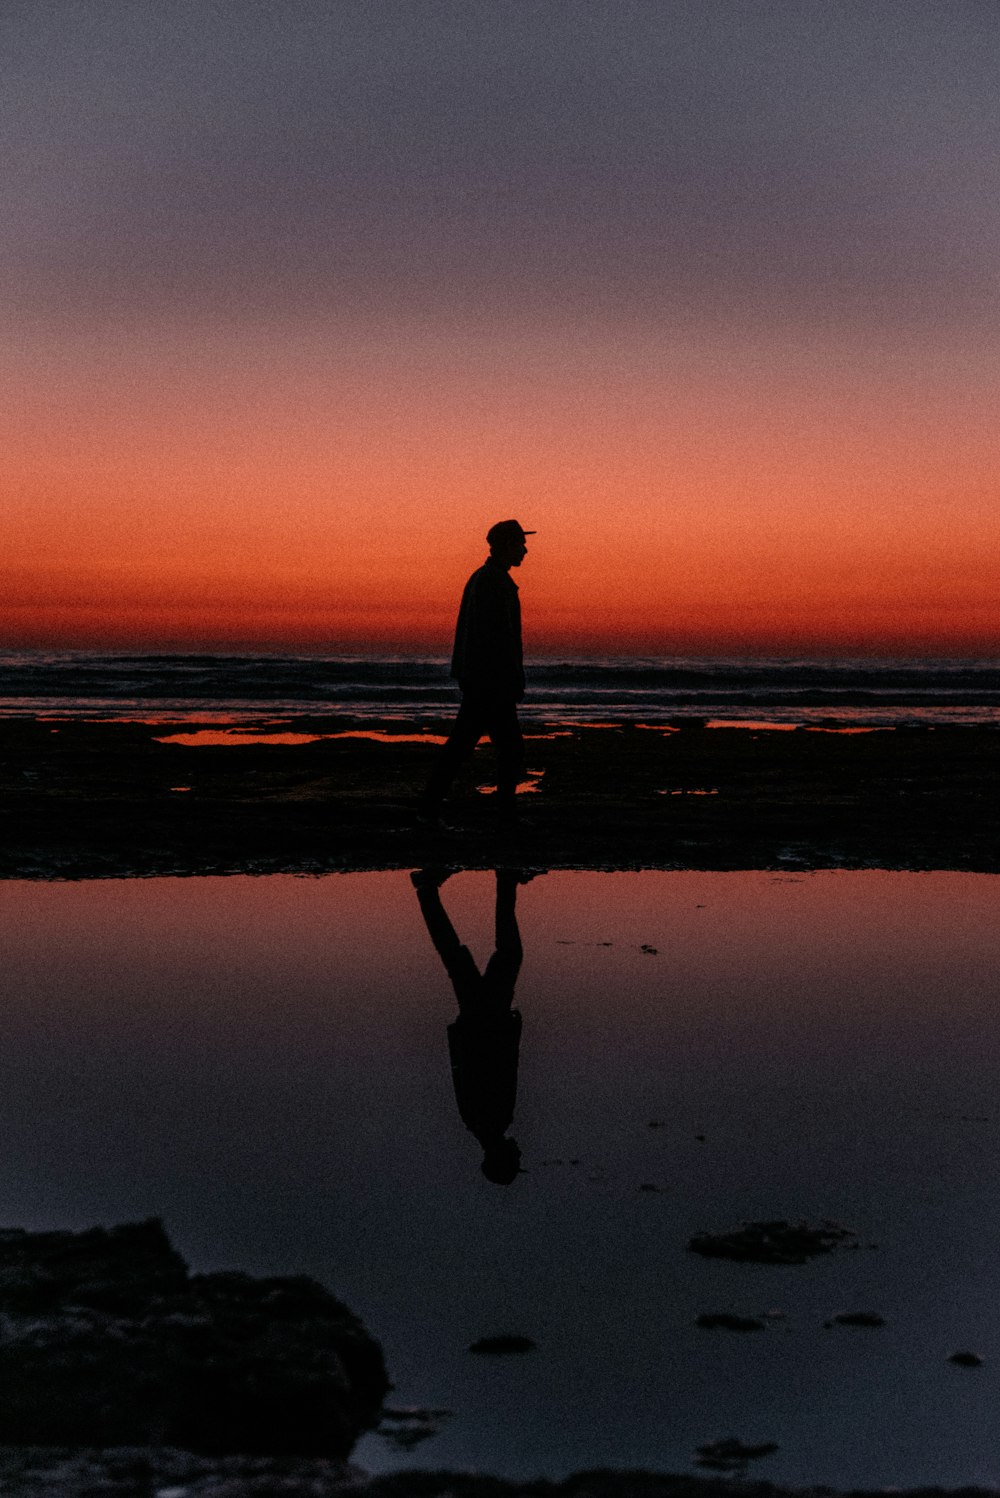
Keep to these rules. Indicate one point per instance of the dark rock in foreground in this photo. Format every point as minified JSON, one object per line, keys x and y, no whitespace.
{"x":107,"y":1340}
{"x":725,"y":1321}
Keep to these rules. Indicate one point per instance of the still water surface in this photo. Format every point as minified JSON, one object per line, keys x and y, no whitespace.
{"x":265,"y":1063}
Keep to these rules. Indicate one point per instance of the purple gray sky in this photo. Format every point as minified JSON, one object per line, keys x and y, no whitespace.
{"x":768,"y":159}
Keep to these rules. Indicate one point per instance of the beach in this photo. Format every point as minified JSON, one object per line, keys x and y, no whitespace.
{"x":622,"y":374}
{"x":337,"y":791}
{"x":757,"y":986}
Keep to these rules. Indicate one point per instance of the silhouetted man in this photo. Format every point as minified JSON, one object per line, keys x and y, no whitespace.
{"x":488,"y":665}
{"x":483,"y":1042}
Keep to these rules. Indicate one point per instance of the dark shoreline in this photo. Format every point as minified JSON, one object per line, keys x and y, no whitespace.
{"x":107,"y":799}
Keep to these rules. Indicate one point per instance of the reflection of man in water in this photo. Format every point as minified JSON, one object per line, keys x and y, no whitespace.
{"x":483,"y":1041}
{"x":488,"y":665}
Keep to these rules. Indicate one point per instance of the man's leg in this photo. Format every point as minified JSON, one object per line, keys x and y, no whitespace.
{"x":500,"y":973}
{"x":508,"y":743}
{"x":469,"y":727}
{"x":458,"y":960}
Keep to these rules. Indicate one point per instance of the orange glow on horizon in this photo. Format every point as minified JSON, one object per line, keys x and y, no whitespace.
{"x":301,"y":494}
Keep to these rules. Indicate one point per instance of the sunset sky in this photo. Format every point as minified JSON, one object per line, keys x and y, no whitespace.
{"x":301,"y":295}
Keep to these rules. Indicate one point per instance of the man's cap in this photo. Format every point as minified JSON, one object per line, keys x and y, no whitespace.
{"x":507,"y":530}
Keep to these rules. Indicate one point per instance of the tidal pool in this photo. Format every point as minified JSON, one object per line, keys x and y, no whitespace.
{"x":265,"y":1064}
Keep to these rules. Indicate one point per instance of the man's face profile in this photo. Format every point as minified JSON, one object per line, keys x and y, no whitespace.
{"x":511,"y":553}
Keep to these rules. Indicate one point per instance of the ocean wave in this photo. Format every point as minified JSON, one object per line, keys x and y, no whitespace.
{"x":619,"y":688}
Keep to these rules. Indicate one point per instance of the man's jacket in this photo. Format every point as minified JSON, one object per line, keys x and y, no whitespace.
{"x":488,"y":659}
{"x":484,"y":1052}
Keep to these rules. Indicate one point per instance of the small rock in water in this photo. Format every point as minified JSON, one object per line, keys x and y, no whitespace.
{"x":723,"y":1321}
{"x":966,"y":1359}
{"x":773,"y":1242}
{"x":503,"y":1346}
{"x":859,"y":1318}
{"x":650,"y":951}
{"x":731,"y":1455}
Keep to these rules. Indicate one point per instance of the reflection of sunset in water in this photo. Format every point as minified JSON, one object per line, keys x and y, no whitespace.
{"x":217,"y":738}
{"x":807,"y":1045}
{"x":523,"y":787}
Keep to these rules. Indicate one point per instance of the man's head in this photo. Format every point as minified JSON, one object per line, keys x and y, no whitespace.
{"x":501,"y":1161}
{"x":507,"y":543}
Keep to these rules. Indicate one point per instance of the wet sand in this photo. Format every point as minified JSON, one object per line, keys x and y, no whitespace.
{"x":82,"y":799}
